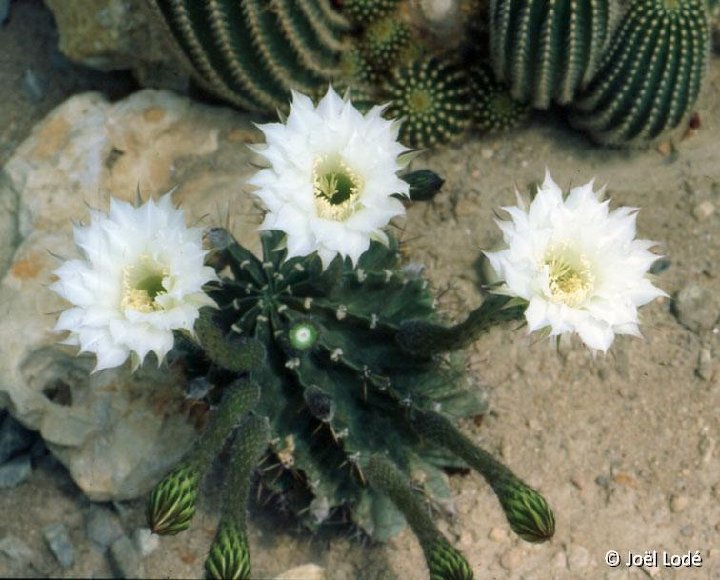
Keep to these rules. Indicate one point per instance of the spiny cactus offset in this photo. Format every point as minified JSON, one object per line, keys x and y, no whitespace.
{"x":252,"y":52}
{"x":494,"y":109}
{"x":383,"y":41}
{"x":363,"y":12}
{"x":349,"y":367}
{"x":432,"y":96}
{"x":547,"y":50}
{"x":651,"y":75}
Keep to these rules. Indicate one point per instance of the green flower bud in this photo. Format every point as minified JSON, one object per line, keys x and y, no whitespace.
{"x":171,"y":504}
{"x":229,"y":555}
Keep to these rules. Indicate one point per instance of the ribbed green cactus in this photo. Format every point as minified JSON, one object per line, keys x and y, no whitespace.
{"x":650,"y":76}
{"x":252,"y":52}
{"x":494,"y":108}
{"x":545,"y":50}
{"x":335,"y":385}
{"x":432,"y":96}
{"x":348,"y":405}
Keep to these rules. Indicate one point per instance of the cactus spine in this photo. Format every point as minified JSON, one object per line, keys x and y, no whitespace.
{"x":545,"y":50}
{"x":252,"y":52}
{"x":650,"y":76}
{"x":494,"y":108}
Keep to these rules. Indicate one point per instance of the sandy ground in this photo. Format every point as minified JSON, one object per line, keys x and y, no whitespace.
{"x":624,"y":447}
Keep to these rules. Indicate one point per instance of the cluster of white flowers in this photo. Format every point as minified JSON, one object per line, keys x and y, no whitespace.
{"x":577,"y":264}
{"x":330,"y":187}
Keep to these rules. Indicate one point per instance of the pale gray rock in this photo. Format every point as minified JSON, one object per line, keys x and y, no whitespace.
{"x":16,"y":550}
{"x":145,"y":541}
{"x":118,"y":35}
{"x":116,"y":433}
{"x":58,"y":540}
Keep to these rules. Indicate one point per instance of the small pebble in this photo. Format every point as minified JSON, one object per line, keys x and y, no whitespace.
{"x":688,"y":530}
{"x":560,"y":561}
{"x":17,"y":550}
{"x":487,"y":153}
{"x":704,"y":367}
{"x":15,"y":471}
{"x":14,"y":438}
{"x":304,"y":572}
{"x":499,"y":535}
{"x":512,"y":559}
{"x":145,"y":541}
{"x":58,"y":540}
{"x":697,"y":307}
{"x":678,"y":502}
{"x":602,"y":481}
{"x":125,"y":559}
{"x":578,"y":557}
{"x":578,"y":481}
{"x":33,"y":86}
{"x":102,"y":527}
{"x":703,"y":210}
{"x":660,"y":265}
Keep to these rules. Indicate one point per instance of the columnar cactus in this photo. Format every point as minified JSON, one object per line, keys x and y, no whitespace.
{"x":651,"y":75}
{"x":545,"y":50}
{"x":252,"y":52}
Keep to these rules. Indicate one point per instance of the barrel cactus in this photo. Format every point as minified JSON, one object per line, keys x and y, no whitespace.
{"x":363,"y":12}
{"x":350,"y":404}
{"x":494,"y":108}
{"x":251,"y":53}
{"x":651,"y":75}
{"x":546,"y":50}
{"x":432,"y":96}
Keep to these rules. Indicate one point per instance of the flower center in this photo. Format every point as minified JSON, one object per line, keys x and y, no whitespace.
{"x":336,"y":188}
{"x":142,"y":283}
{"x":571,"y":277}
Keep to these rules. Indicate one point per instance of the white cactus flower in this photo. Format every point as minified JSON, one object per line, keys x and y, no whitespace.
{"x":577,"y":264}
{"x":331,"y":177}
{"x":141,"y":277}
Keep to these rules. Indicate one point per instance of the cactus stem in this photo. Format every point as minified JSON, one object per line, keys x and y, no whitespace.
{"x":229,"y":555}
{"x":423,"y":338}
{"x":444,"y":561}
{"x":528,"y":513}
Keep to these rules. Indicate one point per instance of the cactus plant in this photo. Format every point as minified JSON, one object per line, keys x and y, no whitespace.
{"x":363,"y":12}
{"x":651,"y":75}
{"x":494,"y":108}
{"x":384,"y":40}
{"x":547,"y":50}
{"x":432,"y":96}
{"x":252,"y":52}
{"x":357,"y":402}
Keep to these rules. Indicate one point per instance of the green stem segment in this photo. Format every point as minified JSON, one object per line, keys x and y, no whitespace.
{"x":528,"y":513}
{"x":171,"y":504}
{"x":234,"y":354}
{"x":229,"y":555}
{"x":422,"y":338}
{"x":444,"y":561}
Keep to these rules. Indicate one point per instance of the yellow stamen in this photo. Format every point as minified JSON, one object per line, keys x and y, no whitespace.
{"x":571,"y":278}
{"x":142,"y":284}
{"x":336,"y":188}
